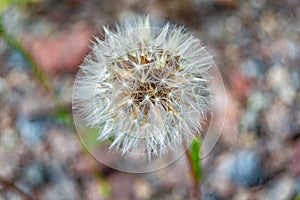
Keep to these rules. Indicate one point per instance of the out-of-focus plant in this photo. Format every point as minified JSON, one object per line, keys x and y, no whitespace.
{"x":15,"y":44}
{"x":4,"y":4}
{"x":63,"y":112}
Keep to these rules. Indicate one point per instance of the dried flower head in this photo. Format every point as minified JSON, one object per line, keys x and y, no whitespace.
{"x":144,"y":87}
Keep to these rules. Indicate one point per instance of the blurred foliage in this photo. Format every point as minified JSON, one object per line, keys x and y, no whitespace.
{"x":90,"y":138}
{"x":4,"y":4}
{"x":195,"y":157}
{"x":297,"y":197}
{"x":64,"y":117}
{"x":39,"y":74}
{"x":104,"y":188}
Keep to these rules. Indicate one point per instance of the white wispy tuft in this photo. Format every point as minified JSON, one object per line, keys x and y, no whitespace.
{"x":144,"y":87}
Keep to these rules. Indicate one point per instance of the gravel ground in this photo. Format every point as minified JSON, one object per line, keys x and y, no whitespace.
{"x":256,"y":45}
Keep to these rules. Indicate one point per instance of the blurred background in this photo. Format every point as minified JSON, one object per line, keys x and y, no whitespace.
{"x":256,"y":45}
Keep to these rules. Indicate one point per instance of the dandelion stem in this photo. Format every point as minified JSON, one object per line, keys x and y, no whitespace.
{"x":196,"y":181}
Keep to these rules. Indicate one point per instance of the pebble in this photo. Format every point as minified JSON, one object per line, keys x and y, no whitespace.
{"x":282,"y":82}
{"x":62,"y":186}
{"x":17,"y":61}
{"x":64,"y":190}
{"x":297,"y":186}
{"x":281,"y":126}
{"x":258,"y":3}
{"x":233,"y":24}
{"x":32,"y":131}
{"x":62,"y":143}
{"x":277,"y":76}
{"x":259,"y":100}
{"x":282,"y":189}
{"x":253,"y":68}
{"x":215,"y":28}
{"x":34,"y":175}
{"x":3,"y":46}
{"x":142,"y":189}
{"x":219,"y":179}
{"x":8,"y":139}
{"x":249,"y":119}
{"x":2,"y":87}
{"x":246,"y":169}
{"x":11,"y":195}
{"x":210,"y":196}
{"x":121,"y":185}
{"x":8,"y":167}
{"x":14,"y":20}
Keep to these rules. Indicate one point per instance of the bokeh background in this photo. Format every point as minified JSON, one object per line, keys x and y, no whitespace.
{"x":256,"y":46}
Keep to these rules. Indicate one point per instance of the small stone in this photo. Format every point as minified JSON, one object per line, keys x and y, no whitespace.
{"x":2,"y":87}
{"x":294,"y":157}
{"x":64,"y":190}
{"x":219,"y":179}
{"x":62,"y":187}
{"x":249,"y":119}
{"x":59,"y":52}
{"x":14,"y":20}
{"x":253,"y":68}
{"x":259,"y":100}
{"x":277,"y":76}
{"x":282,"y":189}
{"x":34,"y":174}
{"x":8,"y":166}
{"x":95,"y":190}
{"x":297,"y":186}
{"x":279,"y":125}
{"x":121,"y":184}
{"x":246,"y":169}
{"x":8,"y":139}
{"x":210,"y":196}
{"x":243,"y":194}
{"x":233,"y":24}
{"x":19,"y":80}
{"x":63,"y":144}
{"x":3,"y":46}
{"x":142,"y":189}
{"x":268,"y":22}
{"x":258,"y":3}
{"x":11,"y":195}
{"x":215,"y":28}
{"x":31,"y":130}
{"x":17,"y":61}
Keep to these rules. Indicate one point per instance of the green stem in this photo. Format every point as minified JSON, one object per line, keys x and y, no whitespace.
{"x":196,"y":181}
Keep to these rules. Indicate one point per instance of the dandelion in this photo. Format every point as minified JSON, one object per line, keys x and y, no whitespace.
{"x":144,"y":87}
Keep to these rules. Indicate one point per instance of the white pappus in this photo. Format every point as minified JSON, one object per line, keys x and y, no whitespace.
{"x":144,"y":87}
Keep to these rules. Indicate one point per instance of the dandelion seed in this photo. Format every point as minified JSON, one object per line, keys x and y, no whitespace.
{"x":144,"y":87}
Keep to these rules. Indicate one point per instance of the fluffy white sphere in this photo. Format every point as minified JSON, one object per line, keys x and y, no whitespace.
{"x":144,"y":87}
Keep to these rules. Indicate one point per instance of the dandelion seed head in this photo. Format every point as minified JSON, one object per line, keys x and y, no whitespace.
{"x":144,"y":87}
